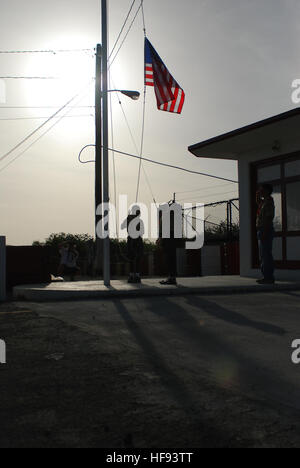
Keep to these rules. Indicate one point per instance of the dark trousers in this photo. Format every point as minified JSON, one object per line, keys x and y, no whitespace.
{"x":266,"y":255}
{"x":135,"y":250}
{"x":170,"y":249}
{"x":135,"y":265}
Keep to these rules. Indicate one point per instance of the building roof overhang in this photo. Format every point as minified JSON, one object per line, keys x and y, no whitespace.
{"x":266,"y":133}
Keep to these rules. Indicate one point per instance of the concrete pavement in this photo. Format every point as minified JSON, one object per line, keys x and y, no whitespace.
{"x":185,"y":371}
{"x":149,"y":288}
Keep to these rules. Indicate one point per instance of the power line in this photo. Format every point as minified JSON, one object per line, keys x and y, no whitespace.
{"x":29,"y":78}
{"x":214,"y":204}
{"x":204,"y":189}
{"x":45,"y":107}
{"x":126,"y":35}
{"x":203,"y":220}
{"x":37,"y":139}
{"x":82,"y":150}
{"x":41,"y":126}
{"x":159,"y":164}
{"x":62,"y":78}
{"x":122,"y":29}
{"x":42,"y":118}
{"x":49,"y":51}
{"x":30,"y":146}
{"x":173,"y":167}
{"x":211,"y":195}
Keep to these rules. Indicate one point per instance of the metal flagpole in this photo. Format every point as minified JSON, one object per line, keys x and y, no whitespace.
{"x":106,"y":243}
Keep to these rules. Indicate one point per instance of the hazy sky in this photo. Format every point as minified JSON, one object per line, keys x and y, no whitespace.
{"x":235,"y":59}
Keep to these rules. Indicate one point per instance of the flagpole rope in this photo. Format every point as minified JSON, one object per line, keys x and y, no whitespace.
{"x":117,"y":94}
{"x":134,"y":143}
{"x":143,"y":16}
{"x":149,"y":186}
{"x":142,"y":146}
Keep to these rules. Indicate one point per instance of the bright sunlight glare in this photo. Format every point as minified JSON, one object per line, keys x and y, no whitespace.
{"x":65,"y":74}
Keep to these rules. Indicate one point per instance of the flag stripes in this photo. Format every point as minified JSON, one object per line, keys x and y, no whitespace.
{"x":169,"y":95}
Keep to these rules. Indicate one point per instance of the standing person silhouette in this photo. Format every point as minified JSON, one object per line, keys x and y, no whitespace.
{"x":171,"y":242}
{"x":135,"y":244}
{"x":265,"y":232}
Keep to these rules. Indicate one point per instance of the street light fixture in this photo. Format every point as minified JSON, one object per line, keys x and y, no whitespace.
{"x":134,"y":95}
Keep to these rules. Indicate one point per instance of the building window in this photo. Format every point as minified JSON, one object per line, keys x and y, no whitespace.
{"x":293,"y":206}
{"x":268,"y":173}
{"x":277,"y":195}
{"x":284,"y":174}
{"x":292,"y":168}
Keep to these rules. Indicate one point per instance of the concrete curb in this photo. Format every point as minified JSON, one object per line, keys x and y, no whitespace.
{"x":36,"y":293}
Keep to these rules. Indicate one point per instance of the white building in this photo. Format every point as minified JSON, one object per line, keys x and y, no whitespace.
{"x":267,"y":152}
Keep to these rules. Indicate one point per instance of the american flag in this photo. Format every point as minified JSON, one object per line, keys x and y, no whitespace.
{"x":170,"y":96}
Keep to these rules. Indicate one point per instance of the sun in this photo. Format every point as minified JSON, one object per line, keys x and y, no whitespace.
{"x":57,"y":76}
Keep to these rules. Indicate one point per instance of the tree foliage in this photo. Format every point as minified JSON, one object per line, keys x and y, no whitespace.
{"x":220,"y":233}
{"x":55,"y":240}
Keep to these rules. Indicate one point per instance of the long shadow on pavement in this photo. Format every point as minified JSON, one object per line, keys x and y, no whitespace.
{"x":250,"y":374}
{"x":233,"y":317}
{"x":294,"y":294}
{"x":171,"y":381}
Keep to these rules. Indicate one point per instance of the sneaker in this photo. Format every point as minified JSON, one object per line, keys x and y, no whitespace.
{"x":169,"y":282}
{"x":56,"y":279}
{"x":265,"y":281}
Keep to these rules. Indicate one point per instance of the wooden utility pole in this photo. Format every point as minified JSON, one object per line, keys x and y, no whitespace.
{"x":98,"y":162}
{"x":102,"y":160}
{"x":105,"y":161}
{"x":102,"y":165}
